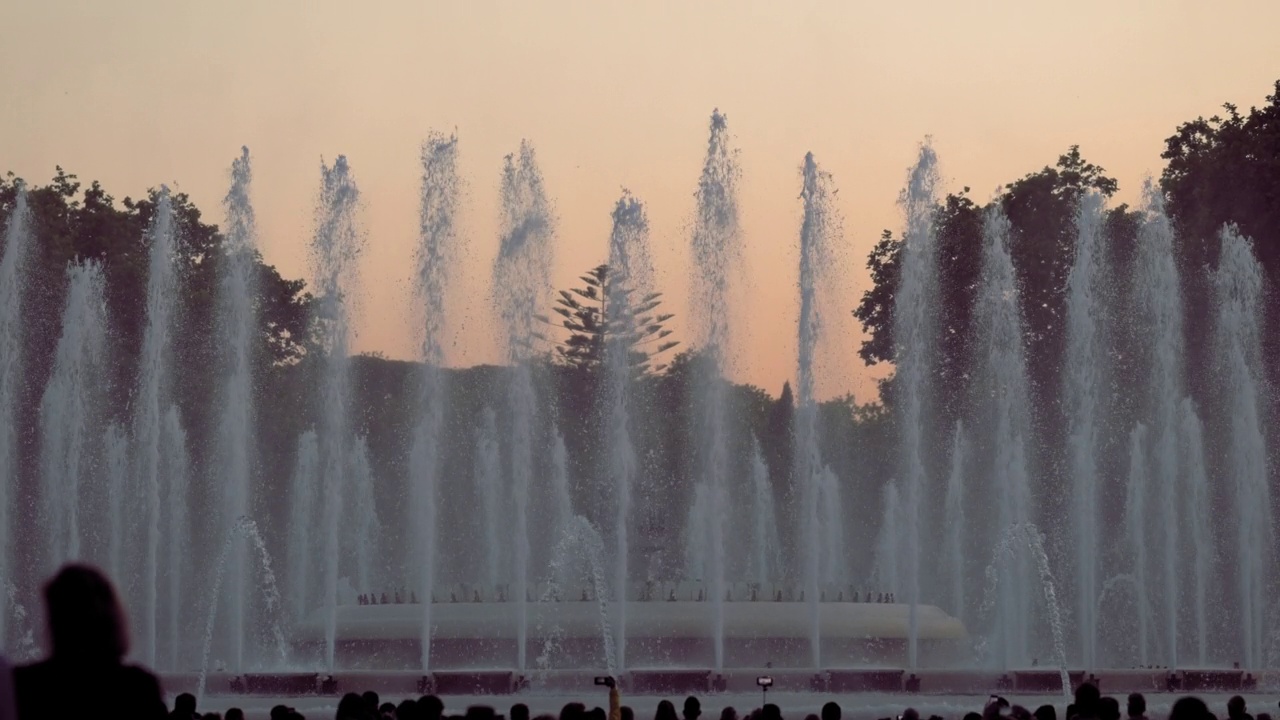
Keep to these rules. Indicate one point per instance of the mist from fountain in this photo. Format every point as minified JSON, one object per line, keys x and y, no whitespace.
{"x":629,"y":307}
{"x":115,"y":453}
{"x":1083,"y":393}
{"x":488,"y":464}
{"x":335,"y":251}
{"x":913,"y":355}
{"x":153,"y":379}
{"x":303,"y":517}
{"x":1199,"y":501}
{"x":1010,"y":417}
{"x":1135,"y":516}
{"x":954,"y":521}
{"x":1238,"y":285}
{"x":888,"y":548}
{"x":717,"y":247}
{"x":69,"y":412}
{"x":175,"y":469}
{"x":437,"y":254}
{"x":521,"y":282}
{"x":17,"y":242}
{"x":765,"y":558}
{"x":236,"y":327}
{"x":361,"y":519}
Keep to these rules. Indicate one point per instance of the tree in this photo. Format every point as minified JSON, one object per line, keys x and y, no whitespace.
{"x":592,"y":324}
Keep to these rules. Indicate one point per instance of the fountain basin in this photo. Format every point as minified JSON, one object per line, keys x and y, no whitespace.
{"x":660,"y":635}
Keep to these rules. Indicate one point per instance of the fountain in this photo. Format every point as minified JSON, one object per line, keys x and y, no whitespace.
{"x":914,"y":348}
{"x":818,"y":232}
{"x":1010,"y":416}
{"x":521,"y":281}
{"x":68,"y":412}
{"x":716,"y":248}
{"x":436,"y":522}
{"x":1238,"y":346}
{"x":237,"y":322}
{"x":628,"y":303}
{"x":437,"y":253}
{"x":1083,"y":393}
{"x":335,"y":249}
{"x":17,"y":239}
{"x":147,"y":439}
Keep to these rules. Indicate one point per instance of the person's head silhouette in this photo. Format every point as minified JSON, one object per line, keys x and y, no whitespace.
{"x":86,"y":622}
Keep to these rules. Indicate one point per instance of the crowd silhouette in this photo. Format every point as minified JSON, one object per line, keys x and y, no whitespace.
{"x":85,"y":676}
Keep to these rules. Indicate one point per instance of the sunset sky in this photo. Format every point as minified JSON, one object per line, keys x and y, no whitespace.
{"x":137,"y":93}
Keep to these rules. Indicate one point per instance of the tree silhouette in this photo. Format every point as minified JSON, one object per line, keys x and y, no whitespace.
{"x":592,"y":324}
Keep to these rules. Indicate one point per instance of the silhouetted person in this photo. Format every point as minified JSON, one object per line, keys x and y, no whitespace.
{"x":430,"y":707}
{"x":184,"y":707}
{"x":626,"y":713}
{"x":811,"y":716}
{"x":370,"y":700}
{"x":278,"y":712}
{"x":1264,"y":716}
{"x":383,"y":601}
{"x":1190,"y":708}
{"x":1236,"y":709}
{"x":597,"y":713}
{"x":692,"y":708}
{"x":388,"y":710}
{"x":409,"y":709}
{"x":1045,"y":712}
{"x":910,"y":714}
{"x":350,"y":707}
{"x":1018,"y":712}
{"x":729,"y":714}
{"x":234,"y":714}
{"x":85,"y":676}
{"x":519,"y":711}
{"x":1086,"y":705}
{"x":666,"y":711}
{"x":480,"y":712}
{"x":1136,"y":707}
{"x":573,"y":711}
{"x":1109,"y":709}
{"x":770,"y":712}
{"x":973,"y":716}
{"x":831,"y":711}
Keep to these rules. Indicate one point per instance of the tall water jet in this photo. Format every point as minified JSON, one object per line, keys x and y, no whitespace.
{"x":628,"y":309}
{"x":68,"y":412}
{"x":436,"y":255}
{"x":488,"y":468}
{"x":115,"y":452}
{"x":303,"y":519}
{"x":174,"y":465}
{"x":817,"y":233}
{"x":1199,"y":501}
{"x":888,"y":547}
{"x":1083,"y":392}
{"x":17,"y":241}
{"x":521,"y":282}
{"x":954,"y":522}
{"x":832,"y":568}
{"x":716,"y":249}
{"x":1238,"y":285}
{"x":361,"y":522}
{"x":1010,"y":416}
{"x":765,"y":563}
{"x":913,"y":324}
{"x":1135,"y":515}
{"x":334,"y":252}
{"x":236,"y":328}
{"x":1159,"y":309}
{"x":152,"y":389}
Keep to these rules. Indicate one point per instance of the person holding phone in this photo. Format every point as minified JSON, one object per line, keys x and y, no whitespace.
{"x":615,"y":699}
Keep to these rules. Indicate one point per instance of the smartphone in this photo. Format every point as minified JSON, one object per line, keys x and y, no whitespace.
{"x":605,"y":680}
{"x":764,"y":681}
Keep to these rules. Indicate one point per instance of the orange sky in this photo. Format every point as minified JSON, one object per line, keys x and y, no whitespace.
{"x":612,"y":94}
